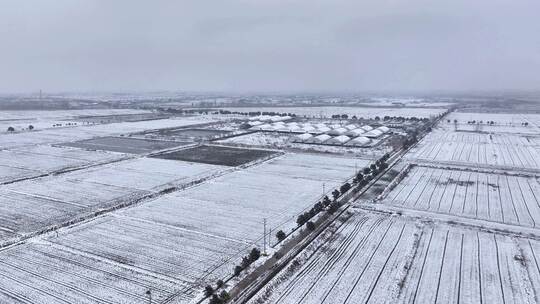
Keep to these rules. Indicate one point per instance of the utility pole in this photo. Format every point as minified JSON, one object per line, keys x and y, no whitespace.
{"x":264,"y":237}
{"x":323,"y":189}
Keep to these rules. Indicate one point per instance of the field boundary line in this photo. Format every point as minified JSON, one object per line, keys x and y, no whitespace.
{"x":455,"y":220}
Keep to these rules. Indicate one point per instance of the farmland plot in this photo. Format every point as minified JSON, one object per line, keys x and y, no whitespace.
{"x":167,"y":251}
{"x":36,"y":160}
{"x":21,"y":120}
{"x":502,"y":121}
{"x":493,"y":197}
{"x":125,"y":144}
{"x":380,"y":259}
{"x":507,"y":151}
{"x":276,"y":190}
{"x":185,"y":239}
{"x":45,"y":273}
{"x":217,"y":155}
{"x":61,"y":135}
{"x":30,"y":205}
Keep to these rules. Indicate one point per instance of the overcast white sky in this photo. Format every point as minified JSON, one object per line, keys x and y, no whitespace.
{"x":269,"y":45}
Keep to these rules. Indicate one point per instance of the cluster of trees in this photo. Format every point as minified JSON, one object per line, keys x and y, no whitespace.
{"x":385,"y":118}
{"x":259,"y":113}
{"x":368,"y":173}
{"x":488,"y":122}
{"x":410,"y":140}
{"x":253,"y":255}
{"x":226,"y":112}
{"x":473,"y":122}
{"x":223,"y":296}
{"x":360,"y":180}
{"x":12,"y":129}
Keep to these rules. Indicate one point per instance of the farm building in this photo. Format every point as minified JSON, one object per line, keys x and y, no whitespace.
{"x":302,"y":137}
{"x":358,"y":141}
{"x":374,"y":134}
{"x":355,"y":132}
{"x":338,"y":131}
{"x":367,"y":128}
{"x":318,"y":139}
{"x":338,"y":140}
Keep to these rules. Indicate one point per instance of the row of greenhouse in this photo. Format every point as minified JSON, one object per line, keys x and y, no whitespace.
{"x":350,"y":131}
{"x":325,"y":139}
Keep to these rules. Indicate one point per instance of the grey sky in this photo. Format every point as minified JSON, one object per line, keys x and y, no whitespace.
{"x":269,"y":45}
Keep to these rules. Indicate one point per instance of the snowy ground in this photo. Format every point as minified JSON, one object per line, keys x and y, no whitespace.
{"x":382,"y":259}
{"x":277,"y":190}
{"x":36,"y":204}
{"x":498,"y":118}
{"x":493,"y":197}
{"x":47,"y":273}
{"x":175,"y":244}
{"x":21,"y":120}
{"x":33,"y":161}
{"x":477,"y":149}
{"x":54,"y":136}
{"x":468,"y":233}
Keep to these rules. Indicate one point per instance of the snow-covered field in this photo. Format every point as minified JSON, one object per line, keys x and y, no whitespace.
{"x":32,"y":161}
{"x":503,"y":123}
{"x":493,"y":197}
{"x":33,"y":205}
{"x":498,"y":118}
{"x":276,"y":190}
{"x":176,"y":243}
{"x":492,"y":150}
{"x":46,"y":273}
{"x":21,"y":120}
{"x":66,"y":114}
{"x":365,"y":112}
{"x":380,"y":259}
{"x":51,"y":136}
